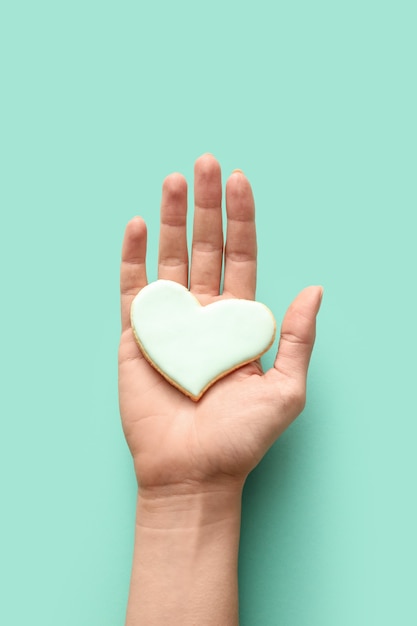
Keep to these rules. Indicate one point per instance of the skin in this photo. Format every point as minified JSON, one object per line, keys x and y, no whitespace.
{"x":192,"y":458}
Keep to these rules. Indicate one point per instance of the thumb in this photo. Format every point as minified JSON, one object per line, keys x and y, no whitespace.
{"x":298,"y":333}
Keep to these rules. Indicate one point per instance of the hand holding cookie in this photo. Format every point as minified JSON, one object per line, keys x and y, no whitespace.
{"x":216,"y":431}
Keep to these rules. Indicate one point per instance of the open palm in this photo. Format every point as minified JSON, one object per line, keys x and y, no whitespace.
{"x":175,"y":441}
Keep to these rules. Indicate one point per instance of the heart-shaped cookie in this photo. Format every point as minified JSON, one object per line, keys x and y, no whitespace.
{"x":191,"y":345}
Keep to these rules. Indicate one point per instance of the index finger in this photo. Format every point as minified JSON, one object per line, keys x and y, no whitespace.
{"x":241,"y":247}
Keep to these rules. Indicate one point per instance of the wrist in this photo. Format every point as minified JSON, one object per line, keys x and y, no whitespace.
{"x":189,"y":506}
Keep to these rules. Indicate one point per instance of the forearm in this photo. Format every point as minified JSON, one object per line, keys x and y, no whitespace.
{"x":185,"y":559}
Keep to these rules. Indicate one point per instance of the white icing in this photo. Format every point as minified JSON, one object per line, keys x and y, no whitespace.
{"x":193,"y":345}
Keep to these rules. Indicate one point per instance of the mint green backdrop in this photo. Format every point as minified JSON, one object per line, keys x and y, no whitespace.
{"x":316,"y":102}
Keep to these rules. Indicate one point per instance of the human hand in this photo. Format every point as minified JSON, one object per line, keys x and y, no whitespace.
{"x":178,"y":444}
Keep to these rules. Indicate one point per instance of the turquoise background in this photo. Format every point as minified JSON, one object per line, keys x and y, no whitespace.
{"x":316,"y":102}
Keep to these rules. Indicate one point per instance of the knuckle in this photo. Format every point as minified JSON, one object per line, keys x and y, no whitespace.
{"x":295,"y":400}
{"x":294,"y":338}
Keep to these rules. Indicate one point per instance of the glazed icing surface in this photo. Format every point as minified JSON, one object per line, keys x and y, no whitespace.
{"x":193,"y":345}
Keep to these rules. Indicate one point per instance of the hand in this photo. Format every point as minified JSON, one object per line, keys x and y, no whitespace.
{"x":178,"y":444}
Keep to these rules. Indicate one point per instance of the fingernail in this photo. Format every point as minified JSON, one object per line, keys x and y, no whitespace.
{"x":238,"y":171}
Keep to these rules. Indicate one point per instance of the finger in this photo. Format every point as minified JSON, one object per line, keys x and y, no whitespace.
{"x":173,"y":253}
{"x":241,"y":250}
{"x":207,"y":247}
{"x":296,"y":343}
{"x":133,"y":267}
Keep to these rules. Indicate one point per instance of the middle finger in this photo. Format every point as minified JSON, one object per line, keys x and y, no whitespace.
{"x":207,"y":246}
